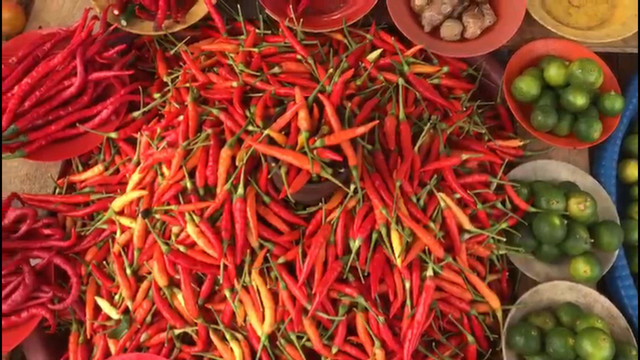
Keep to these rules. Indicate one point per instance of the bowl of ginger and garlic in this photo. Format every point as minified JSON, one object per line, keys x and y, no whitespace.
{"x":458,"y":28}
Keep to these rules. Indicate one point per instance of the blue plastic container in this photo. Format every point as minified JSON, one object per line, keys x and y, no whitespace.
{"x":618,"y":281}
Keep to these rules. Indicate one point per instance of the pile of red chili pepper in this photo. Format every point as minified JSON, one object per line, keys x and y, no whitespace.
{"x":63,"y":83}
{"x":157,"y":11}
{"x":189,"y":249}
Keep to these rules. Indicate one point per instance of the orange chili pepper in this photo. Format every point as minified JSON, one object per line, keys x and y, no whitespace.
{"x":462,"y":219}
{"x":92,"y":291}
{"x":252,"y":218}
{"x":268,"y":304}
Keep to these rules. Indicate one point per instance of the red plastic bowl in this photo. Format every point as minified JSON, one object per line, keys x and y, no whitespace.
{"x":321,"y":15}
{"x":67,"y":148}
{"x":529,"y":55}
{"x":510,"y":14}
{"x":12,"y":337}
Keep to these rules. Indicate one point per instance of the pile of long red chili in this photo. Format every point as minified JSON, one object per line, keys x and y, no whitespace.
{"x":63,"y":83}
{"x":157,"y":11}
{"x":188,"y":248}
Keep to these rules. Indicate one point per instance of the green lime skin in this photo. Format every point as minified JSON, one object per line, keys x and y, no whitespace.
{"x":544,"y":118}
{"x":626,"y":351}
{"x":564,"y":126}
{"x":526,"y":88}
{"x":578,"y":240}
{"x":544,"y":319}
{"x":630,"y":228}
{"x":568,"y":186}
{"x":589,"y":320}
{"x":549,"y":254}
{"x":633,"y":192}
{"x":547,"y":97}
{"x":556,"y":74}
{"x":611,"y":103}
{"x":632,"y":210}
{"x":632,"y":258}
{"x":559,"y":344}
{"x":523,"y":190}
{"x":585,"y":268}
{"x":585,"y":73}
{"x":581,"y":206}
{"x":594,"y":344}
{"x":549,"y":197}
{"x":607,"y":235}
{"x":568,"y":314}
{"x":575,"y":99}
{"x":522,"y":239}
{"x":524,"y":338}
{"x":630,"y":146}
{"x":548,"y":59}
{"x":549,"y":228}
{"x":587,"y":130}
{"x":628,"y":171}
{"x":534,"y":71}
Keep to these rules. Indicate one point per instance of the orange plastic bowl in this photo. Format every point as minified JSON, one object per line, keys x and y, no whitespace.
{"x":529,"y":55}
{"x":510,"y":14}
{"x":321,"y":16}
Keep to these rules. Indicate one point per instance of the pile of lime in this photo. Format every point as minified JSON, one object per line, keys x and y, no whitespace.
{"x":565,"y":224}
{"x":628,"y":176}
{"x":565,"y":97}
{"x":566,"y":332}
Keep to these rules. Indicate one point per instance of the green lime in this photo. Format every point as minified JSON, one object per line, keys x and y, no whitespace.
{"x":549,"y":59}
{"x":632,"y":210}
{"x":526,"y":88}
{"x":544,"y":118}
{"x":585,"y":268}
{"x":590,"y":113}
{"x":523,"y":190}
{"x":626,"y":351}
{"x":589,"y":320}
{"x":628,"y":171}
{"x":588,"y":129}
{"x":585,"y":73}
{"x":634,"y":126}
{"x":633,"y":192}
{"x":549,"y":197}
{"x":630,"y":145}
{"x":578,"y":240}
{"x":568,"y":186}
{"x":549,"y":228}
{"x":559,"y":344}
{"x":544,"y":319}
{"x":574,"y":99}
{"x":632,"y":257}
{"x":556,"y":73}
{"x":522,"y":238}
{"x":524,"y":338}
{"x":630,"y":228}
{"x":565,"y":123}
{"x":538,"y":357}
{"x":595,"y":344}
{"x":581,"y":206}
{"x":607,"y":235}
{"x":611,"y":103}
{"x":548,"y":97}
{"x":534,"y":71}
{"x":568,"y":314}
{"x":548,"y":253}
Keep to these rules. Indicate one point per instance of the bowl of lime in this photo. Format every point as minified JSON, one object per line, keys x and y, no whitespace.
{"x":563,"y":320}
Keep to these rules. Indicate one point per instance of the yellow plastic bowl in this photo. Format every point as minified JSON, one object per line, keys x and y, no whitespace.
{"x":619,"y":21}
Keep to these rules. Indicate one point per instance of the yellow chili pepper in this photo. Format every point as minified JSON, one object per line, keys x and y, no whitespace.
{"x":221,"y":345}
{"x":108,"y":309}
{"x":252,"y":312}
{"x":126,"y":221}
{"x":125,"y":199}
{"x":461,"y":217}
{"x":397,"y":244}
{"x":268,"y":305}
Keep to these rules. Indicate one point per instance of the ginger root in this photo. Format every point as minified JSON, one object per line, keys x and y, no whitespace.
{"x":436,"y":12}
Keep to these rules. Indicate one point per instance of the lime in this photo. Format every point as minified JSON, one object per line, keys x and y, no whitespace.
{"x":568,"y":186}
{"x":588,"y":129}
{"x":589,"y":320}
{"x":544,"y":118}
{"x":574,"y":99}
{"x":548,"y":97}
{"x":585,"y":73}
{"x":611,"y":103}
{"x":578,"y":240}
{"x":630,"y":145}
{"x":549,"y":59}
{"x":626,"y":351}
{"x":581,"y":206}
{"x":524,"y":338}
{"x":522,"y":238}
{"x":634,"y":126}
{"x":549,"y":228}
{"x":594,"y":344}
{"x":559,"y":344}
{"x":630,"y":228}
{"x":538,"y":357}
{"x":632,"y":257}
{"x":628,"y":171}
{"x":556,"y":73}
{"x":607,"y":235}
{"x":523,"y":190}
{"x":526,"y":88}
{"x":549,"y":197}
{"x":544,"y":319}
{"x":590,"y":113}
{"x":568,"y":314}
{"x":585,"y":268}
{"x":632,"y":210}
{"x":565,"y":123}
{"x":534,"y":71}
{"x":633,"y":192}
{"x":548,"y":253}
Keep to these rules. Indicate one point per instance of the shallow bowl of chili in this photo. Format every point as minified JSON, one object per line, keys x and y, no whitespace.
{"x":320,"y":16}
{"x":530,"y":55}
{"x":554,"y":172}
{"x":136,"y":25}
